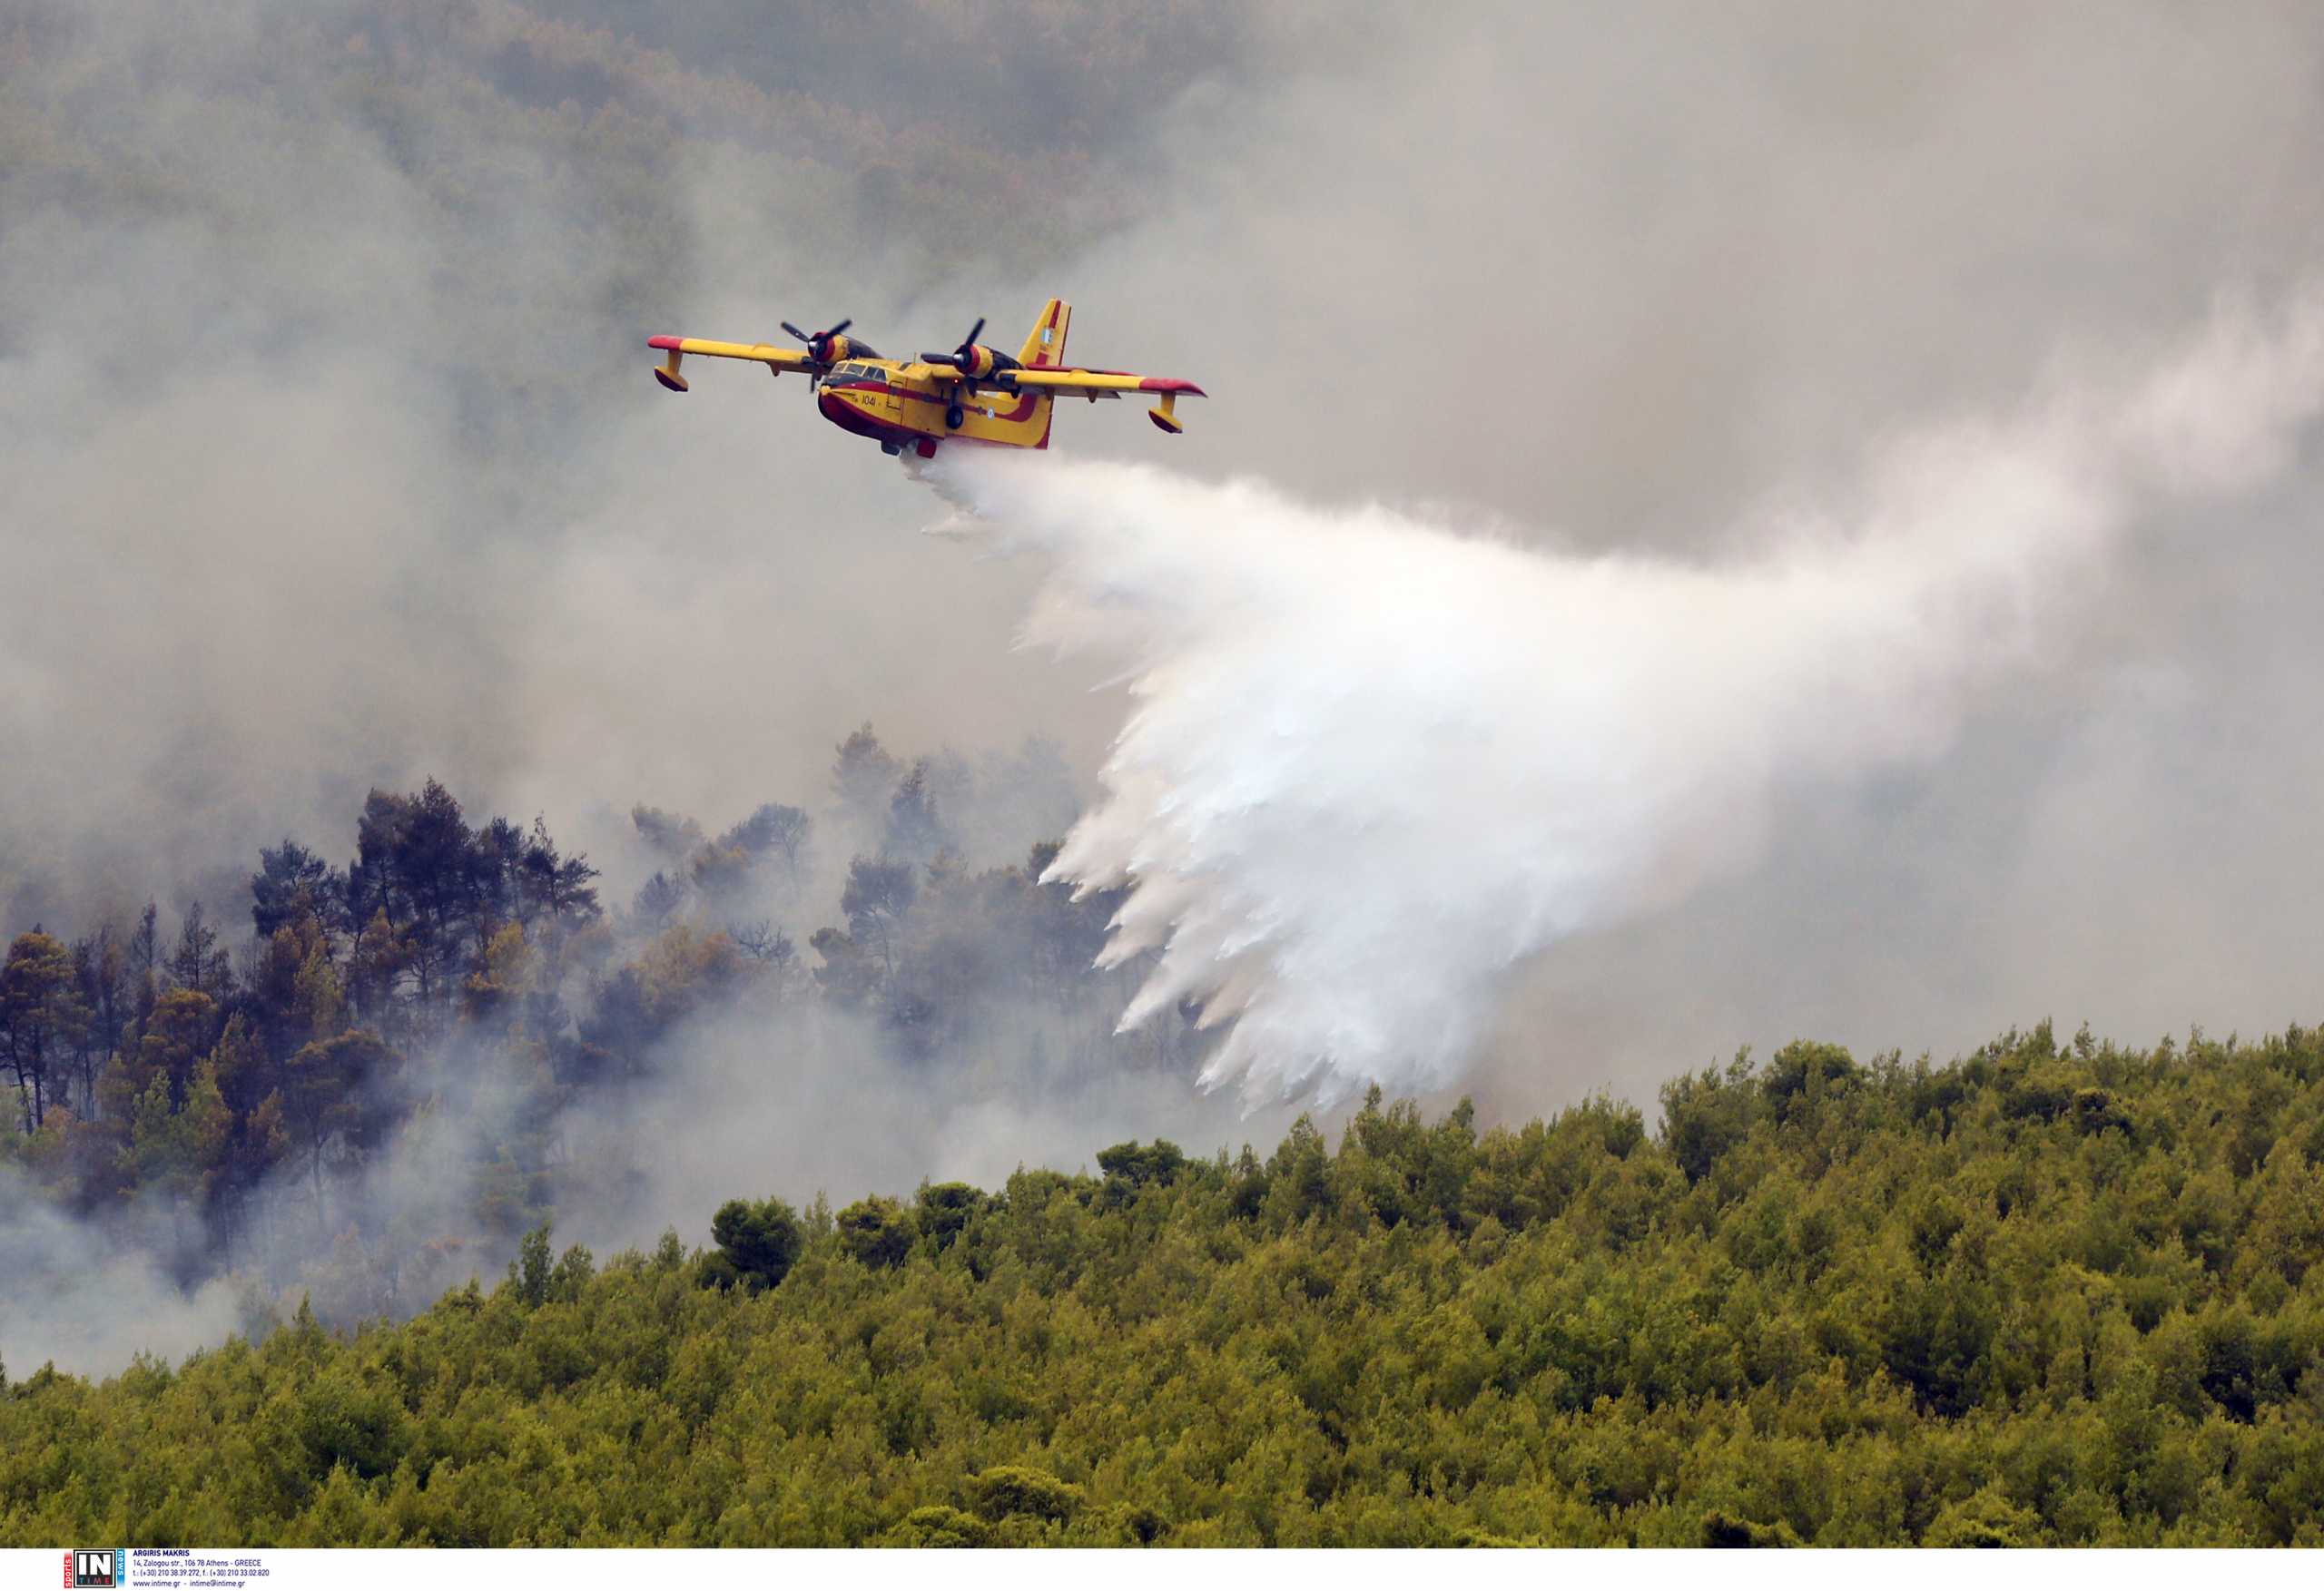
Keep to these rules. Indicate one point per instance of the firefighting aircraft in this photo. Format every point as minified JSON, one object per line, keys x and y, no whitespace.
{"x":973,"y":394}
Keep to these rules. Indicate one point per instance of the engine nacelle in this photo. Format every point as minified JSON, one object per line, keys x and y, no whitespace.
{"x":977,"y":361}
{"x":974,"y":361}
{"x":835,"y":349}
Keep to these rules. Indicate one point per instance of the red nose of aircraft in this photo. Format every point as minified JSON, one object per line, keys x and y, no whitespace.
{"x":849,"y":416}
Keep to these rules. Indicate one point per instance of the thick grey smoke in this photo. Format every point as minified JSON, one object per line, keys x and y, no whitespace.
{"x":330,"y":461}
{"x":85,"y":1300}
{"x":836,"y":1113}
{"x":1372,"y":765}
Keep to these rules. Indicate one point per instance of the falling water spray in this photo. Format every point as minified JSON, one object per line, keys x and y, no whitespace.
{"x":1372,"y":763}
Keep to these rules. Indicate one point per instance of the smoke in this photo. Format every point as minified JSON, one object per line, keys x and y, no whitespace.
{"x":85,"y":1300}
{"x":1374,"y":763}
{"x":836,"y":1113}
{"x":331,"y":458}
{"x":332,"y":464}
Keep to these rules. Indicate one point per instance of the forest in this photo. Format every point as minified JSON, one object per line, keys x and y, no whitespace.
{"x":353,"y":1061}
{"x":408,"y":1061}
{"x":2049,"y":1293}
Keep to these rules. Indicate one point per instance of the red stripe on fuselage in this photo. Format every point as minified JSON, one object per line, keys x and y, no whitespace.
{"x":848,"y":418}
{"x":1022,"y":412}
{"x":882,"y":386}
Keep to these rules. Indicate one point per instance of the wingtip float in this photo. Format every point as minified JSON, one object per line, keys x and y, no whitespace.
{"x":974,"y":393}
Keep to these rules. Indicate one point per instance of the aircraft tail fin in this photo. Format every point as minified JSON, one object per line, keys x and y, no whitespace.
{"x":1045,"y":344}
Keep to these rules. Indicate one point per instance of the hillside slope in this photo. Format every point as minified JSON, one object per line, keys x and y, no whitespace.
{"x":2045,"y":1295}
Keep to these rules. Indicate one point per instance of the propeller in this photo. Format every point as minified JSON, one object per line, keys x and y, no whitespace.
{"x":819,"y":344}
{"x":963,"y":357}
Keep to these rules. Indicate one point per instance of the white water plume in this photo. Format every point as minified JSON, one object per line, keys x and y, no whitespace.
{"x":1374,"y":762}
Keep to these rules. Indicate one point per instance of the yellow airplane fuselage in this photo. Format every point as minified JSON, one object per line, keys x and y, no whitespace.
{"x":907,"y":405}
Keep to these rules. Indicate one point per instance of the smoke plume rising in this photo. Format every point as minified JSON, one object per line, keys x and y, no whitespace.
{"x":85,"y":1300}
{"x":332,"y":463}
{"x":1373,"y":763}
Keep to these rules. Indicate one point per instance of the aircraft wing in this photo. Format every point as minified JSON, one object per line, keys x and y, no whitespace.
{"x":1096,"y":382}
{"x":1094,"y":385}
{"x":776,"y":359}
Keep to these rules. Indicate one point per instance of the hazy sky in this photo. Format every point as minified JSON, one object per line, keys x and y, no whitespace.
{"x":331,"y":459}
